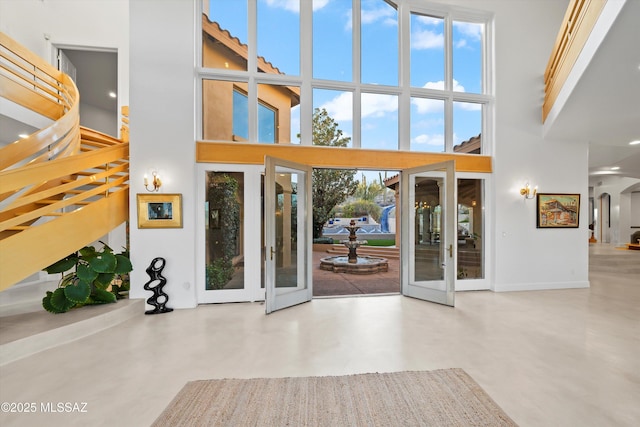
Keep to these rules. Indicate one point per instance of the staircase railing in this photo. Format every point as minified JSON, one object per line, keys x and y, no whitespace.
{"x":62,"y":187}
{"x":576,"y":27}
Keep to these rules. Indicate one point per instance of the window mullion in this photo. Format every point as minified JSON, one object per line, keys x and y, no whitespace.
{"x":404,"y":78}
{"x":306,"y":72}
{"x":356,"y":139}
{"x":252,"y":67}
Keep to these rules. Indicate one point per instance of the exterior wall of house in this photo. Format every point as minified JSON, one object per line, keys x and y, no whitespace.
{"x":217,"y":98}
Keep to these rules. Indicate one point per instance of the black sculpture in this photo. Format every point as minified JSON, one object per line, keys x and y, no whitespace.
{"x":159,"y":298}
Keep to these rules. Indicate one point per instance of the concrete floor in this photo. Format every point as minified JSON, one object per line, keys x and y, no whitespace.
{"x":548,"y":358}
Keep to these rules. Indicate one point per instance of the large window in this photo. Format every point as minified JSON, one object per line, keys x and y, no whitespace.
{"x":392,"y":74}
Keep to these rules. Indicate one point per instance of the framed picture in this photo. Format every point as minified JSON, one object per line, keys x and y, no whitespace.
{"x":214,"y":221}
{"x":159,"y":210}
{"x":557,"y":210}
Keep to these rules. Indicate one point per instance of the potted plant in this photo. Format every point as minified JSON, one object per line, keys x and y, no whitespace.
{"x":89,"y":276}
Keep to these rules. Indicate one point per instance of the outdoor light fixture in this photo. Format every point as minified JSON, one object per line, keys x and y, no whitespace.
{"x":155,"y":183}
{"x":527,"y":192}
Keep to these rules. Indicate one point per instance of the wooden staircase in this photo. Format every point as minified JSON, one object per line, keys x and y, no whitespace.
{"x":64,"y":186}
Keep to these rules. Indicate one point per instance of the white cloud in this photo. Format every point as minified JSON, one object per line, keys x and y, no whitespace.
{"x":294,"y":5}
{"x":385,"y":15}
{"x":340,"y":108}
{"x":426,"y":39}
{"x":468,"y":29}
{"x":426,"y":139}
{"x":376,"y":105}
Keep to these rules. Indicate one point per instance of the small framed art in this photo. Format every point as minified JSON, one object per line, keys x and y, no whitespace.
{"x":159,"y":210}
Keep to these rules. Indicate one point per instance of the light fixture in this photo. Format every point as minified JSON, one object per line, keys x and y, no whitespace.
{"x":155,"y":183}
{"x":636,"y":142}
{"x":23,"y":135}
{"x":527,"y":192}
{"x":112,"y":94}
{"x":615,"y":168}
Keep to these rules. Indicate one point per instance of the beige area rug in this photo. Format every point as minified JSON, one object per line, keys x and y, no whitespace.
{"x":445,"y":397}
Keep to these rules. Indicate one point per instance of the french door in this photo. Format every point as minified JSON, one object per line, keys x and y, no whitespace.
{"x":429,"y":238}
{"x":288,"y":238}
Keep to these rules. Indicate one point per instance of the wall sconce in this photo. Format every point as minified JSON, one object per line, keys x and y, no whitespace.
{"x":527,"y":192}
{"x":155,"y":183}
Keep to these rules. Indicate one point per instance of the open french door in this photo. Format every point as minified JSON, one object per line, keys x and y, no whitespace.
{"x":288,"y":243}
{"x":429,"y":246}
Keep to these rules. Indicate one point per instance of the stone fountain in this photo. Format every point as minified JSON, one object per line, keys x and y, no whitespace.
{"x":352,"y":263}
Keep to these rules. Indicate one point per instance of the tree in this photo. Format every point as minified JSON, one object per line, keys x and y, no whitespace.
{"x":330,"y":186}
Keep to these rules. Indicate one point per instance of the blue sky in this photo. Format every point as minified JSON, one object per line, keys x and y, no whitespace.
{"x":278,"y":42}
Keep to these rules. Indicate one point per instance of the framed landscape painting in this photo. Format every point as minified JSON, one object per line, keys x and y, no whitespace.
{"x":557,"y":210}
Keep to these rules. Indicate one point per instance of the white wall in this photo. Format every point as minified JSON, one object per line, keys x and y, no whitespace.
{"x":625,"y":206}
{"x":99,"y":119}
{"x":523,"y":256}
{"x":162,"y":136}
{"x":41,"y":24}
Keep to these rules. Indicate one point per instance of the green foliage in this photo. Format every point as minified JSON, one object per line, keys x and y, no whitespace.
{"x":381,"y":242}
{"x":92,"y":272}
{"x":369,"y":192}
{"x":223,"y":196}
{"x":331,"y":187}
{"x":219,"y":273}
{"x":361,"y":208}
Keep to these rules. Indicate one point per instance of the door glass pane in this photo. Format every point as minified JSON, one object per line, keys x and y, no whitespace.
{"x":332,"y":40}
{"x":467,"y":127}
{"x":287,"y":227}
{"x":427,"y":50}
{"x":429,"y":226}
{"x":379,"y":40}
{"x":223,"y":33}
{"x":467,"y":56}
{"x":279,"y":36}
{"x":470,"y":229}
{"x":278,"y":114}
{"x":379,"y":122}
{"x":224,"y":228}
{"x":427,"y":125}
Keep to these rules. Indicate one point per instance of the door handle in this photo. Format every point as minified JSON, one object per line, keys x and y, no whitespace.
{"x":272,"y":252}
{"x":450,"y":251}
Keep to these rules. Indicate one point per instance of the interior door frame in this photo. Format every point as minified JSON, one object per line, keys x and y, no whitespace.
{"x":408,"y":286}
{"x":279,"y":298}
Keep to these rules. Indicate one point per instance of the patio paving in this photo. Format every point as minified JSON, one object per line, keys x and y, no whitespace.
{"x":328,"y":283}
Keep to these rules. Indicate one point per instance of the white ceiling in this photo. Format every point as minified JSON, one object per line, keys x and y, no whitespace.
{"x":603,"y":110}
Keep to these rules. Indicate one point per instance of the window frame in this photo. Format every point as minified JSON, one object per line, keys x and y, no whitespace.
{"x":404,"y":91}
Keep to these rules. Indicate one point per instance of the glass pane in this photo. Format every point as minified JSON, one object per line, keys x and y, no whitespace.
{"x":332,"y":40}
{"x":429,"y":224}
{"x":278,"y":114}
{"x":224,"y":111}
{"x":379,"y":41}
{"x":427,"y":125}
{"x":467,"y":56}
{"x":279,"y":37}
{"x":223,"y":32}
{"x":427,"y":50}
{"x":224,"y":210}
{"x":287,"y":223}
{"x":467,"y":128}
{"x":379,"y":122}
{"x":332,"y":117}
{"x":470,"y":229}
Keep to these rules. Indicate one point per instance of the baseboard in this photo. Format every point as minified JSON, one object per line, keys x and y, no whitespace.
{"x":540,"y":286}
